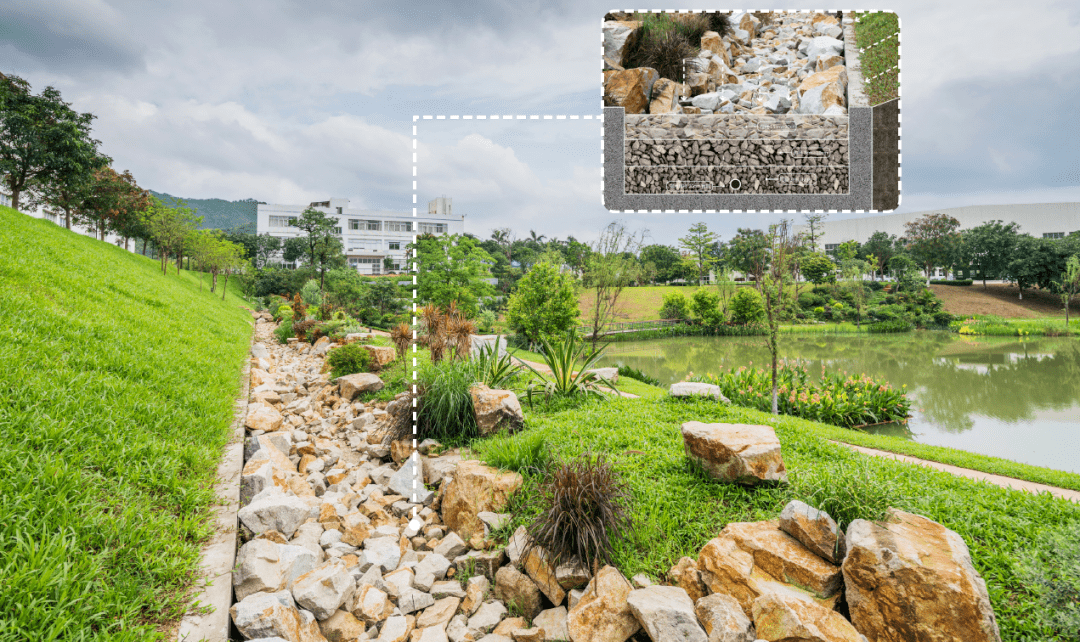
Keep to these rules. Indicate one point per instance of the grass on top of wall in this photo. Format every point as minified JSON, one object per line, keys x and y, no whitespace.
{"x":116,"y":398}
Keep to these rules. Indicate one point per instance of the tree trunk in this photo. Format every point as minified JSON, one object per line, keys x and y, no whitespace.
{"x":67,"y":218}
{"x":213,"y":281}
{"x":15,"y":194}
{"x":225,"y":287}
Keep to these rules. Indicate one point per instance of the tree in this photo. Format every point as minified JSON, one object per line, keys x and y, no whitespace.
{"x":113,"y":203}
{"x":906,"y":272}
{"x":706,"y":306}
{"x":294,"y":249}
{"x":698,"y":244}
{"x":1069,"y":285}
{"x":610,"y":268}
{"x":1036,"y":262}
{"x":725,"y":288}
{"x":932,"y":240}
{"x":43,"y":142}
{"x":818,"y":268}
{"x":328,"y":254}
{"x":814,"y":223}
{"x":989,"y":247}
{"x":665,"y":259}
{"x":782,"y":244}
{"x":545,"y":304}
{"x":748,"y":252}
{"x":319,"y":229}
{"x":854,"y":270}
{"x":882,"y":247}
{"x":452,"y":268}
{"x":168,"y":226}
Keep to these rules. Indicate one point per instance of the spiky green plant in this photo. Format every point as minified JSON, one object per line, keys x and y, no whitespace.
{"x":496,"y":371}
{"x":568,"y":361}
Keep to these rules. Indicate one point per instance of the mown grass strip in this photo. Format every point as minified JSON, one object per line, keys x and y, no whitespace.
{"x":878,"y":34}
{"x":116,"y":397}
{"x":677,"y":509}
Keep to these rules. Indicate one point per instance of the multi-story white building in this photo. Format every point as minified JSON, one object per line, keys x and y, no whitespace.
{"x":368,"y":237}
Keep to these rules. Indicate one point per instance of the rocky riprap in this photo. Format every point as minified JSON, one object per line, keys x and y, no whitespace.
{"x":343,"y":539}
{"x":784,"y":80}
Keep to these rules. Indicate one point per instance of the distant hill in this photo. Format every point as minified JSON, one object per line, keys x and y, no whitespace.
{"x":218,"y":214}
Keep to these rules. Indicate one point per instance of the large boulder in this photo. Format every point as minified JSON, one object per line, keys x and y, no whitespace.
{"x":742,"y":453}
{"x":697,"y":389}
{"x":712,"y":41}
{"x":619,"y":37}
{"x":515,"y":588}
{"x":747,"y":21}
{"x":354,"y":384}
{"x":408,"y":482}
{"x":539,"y":569}
{"x":258,"y":568}
{"x":263,"y":418}
{"x":553,"y":623}
{"x":664,"y":100}
{"x":723,"y":619}
{"x":266,"y":615}
{"x":274,"y":511}
{"x":496,"y":410}
{"x":342,"y":626}
{"x":325,"y":588}
{"x":381,"y":356}
{"x":667,"y":614}
{"x":785,"y":558}
{"x":814,"y":529}
{"x":786,"y":617}
{"x":910,"y":578}
{"x":823,"y":46}
{"x":475,"y":488}
{"x":686,"y":575}
{"x":630,"y":89}
{"x":602,"y":614}
{"x":822,"y":90}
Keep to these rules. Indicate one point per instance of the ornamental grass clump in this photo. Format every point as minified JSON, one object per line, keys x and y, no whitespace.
{"x":401,"y":335}
{"x":568,"y":362}
{"x":842,"y":400}
{"x":585,"y":505}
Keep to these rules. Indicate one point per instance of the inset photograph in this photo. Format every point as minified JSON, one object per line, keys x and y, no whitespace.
{"x":740,"y":104}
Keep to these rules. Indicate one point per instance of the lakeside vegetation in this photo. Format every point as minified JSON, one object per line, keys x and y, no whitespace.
{"x":676,"y":509}
{"x":117,"y":395}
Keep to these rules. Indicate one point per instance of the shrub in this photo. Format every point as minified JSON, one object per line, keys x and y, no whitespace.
{"x":706,"y":306}
{"x":875,"y":286}
{"x":401,"y":335}
{"x":311,"y":294}
{"x":809,"y":300}
{"x":832,"y":399}
{"x":486,"y":319}
{"x":865,"y":494}
{"x":302,"y":329}
{"x":284,"y":331}
{"x":819,"y":313}
{"x":544,"y":305}
{"x":348,"y":359}
{"x":675,"y":306}
{"x":1051,"y":570}
{"x":961,"y":282}
{"x":747,"y":307}
{"x":634,"y":373}
{"x":665,"y":52}
{"x":584,"y":504}
{"x":496,"y":371}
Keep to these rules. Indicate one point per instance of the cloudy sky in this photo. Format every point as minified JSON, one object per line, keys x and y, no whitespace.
{"x":291,"y":102}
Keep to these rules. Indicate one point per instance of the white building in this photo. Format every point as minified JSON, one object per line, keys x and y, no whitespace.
{"x":368,"y":237}
{"x":1046,"y":220}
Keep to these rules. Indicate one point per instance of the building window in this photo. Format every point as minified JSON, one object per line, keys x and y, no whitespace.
{"x":1054,"y":235}
{"x":829,"y":247}
{"x":354,"y":224}
{"x":433,"y":228}
{"x":395,"y":245}
{"x":339,"y":210}
{"x":337,"y":230}
{"x":282,"y":221}
{"x":374,"y":226}
{"x":396,"y":226}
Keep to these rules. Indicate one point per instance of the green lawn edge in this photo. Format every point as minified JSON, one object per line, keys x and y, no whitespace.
{"x":116,"y":402}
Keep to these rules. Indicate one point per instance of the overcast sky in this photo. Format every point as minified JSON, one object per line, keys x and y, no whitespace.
{"x":290,"y":102}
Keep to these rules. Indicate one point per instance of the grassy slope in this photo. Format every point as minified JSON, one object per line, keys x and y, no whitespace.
{"x":116,"y":398}
{"x":677,"y":509}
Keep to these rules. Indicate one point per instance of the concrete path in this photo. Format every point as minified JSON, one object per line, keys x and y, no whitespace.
{"x":997,"y":480}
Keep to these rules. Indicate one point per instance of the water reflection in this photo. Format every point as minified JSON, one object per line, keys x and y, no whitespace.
{"x":998,"y":384}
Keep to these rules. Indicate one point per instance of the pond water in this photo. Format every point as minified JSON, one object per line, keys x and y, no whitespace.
{"x":1007,"y":397}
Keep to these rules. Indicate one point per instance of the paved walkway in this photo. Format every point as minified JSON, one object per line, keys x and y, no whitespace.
{"x":998,"y":480}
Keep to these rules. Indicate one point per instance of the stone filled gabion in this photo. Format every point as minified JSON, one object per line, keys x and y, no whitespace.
{"x":736,"y":180}
{"x":714,"y":154}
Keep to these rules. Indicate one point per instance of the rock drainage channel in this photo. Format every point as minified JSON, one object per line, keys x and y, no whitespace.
{"x":775,"y":74}
{"x":329,"y":552}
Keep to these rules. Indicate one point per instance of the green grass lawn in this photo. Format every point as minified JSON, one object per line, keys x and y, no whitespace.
{"x":677,"y":509}
{"x":116,"y":398}
{"x":880,"y":31}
